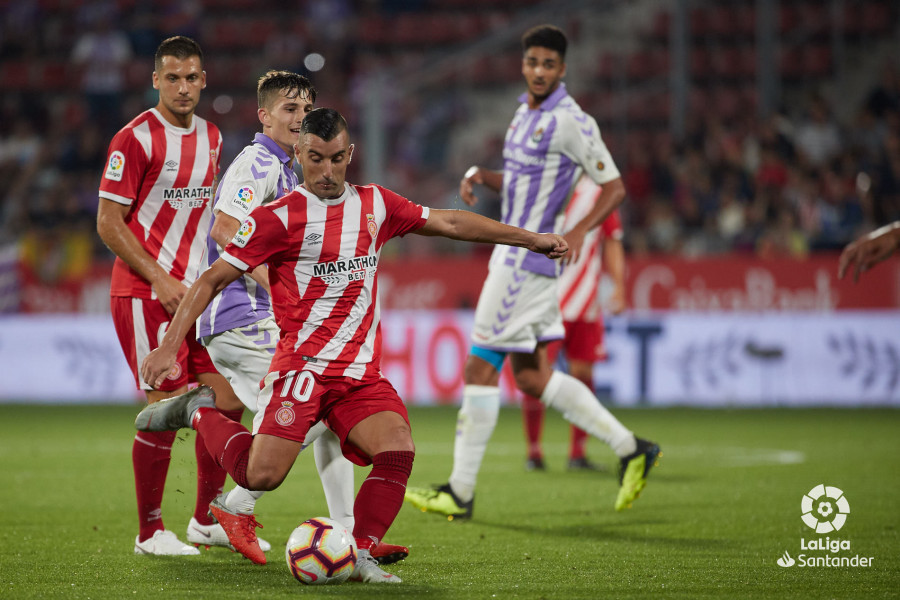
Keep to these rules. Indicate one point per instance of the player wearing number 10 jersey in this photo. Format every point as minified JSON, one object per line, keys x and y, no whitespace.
{"x":322,"y":245}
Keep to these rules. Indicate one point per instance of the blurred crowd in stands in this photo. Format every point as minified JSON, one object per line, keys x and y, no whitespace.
{"x":795,"y":182}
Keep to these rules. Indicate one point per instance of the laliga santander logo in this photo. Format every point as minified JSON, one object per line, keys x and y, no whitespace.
{"x":116,"y":166}
{"x":245,"y":195}
{"x":243,"y":234}
{"x":825,"y":508}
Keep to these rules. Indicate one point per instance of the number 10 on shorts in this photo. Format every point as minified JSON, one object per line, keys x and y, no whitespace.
{"x":299,"y":384}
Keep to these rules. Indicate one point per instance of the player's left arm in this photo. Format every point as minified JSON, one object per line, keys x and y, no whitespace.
{"x":614,"y":262}
{"x":471,"y":227}
{"x":159,"y":362}
{"x":581,"y":141}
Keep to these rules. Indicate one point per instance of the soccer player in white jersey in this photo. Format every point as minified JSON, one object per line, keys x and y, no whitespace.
{"x":154,"y":214}
{"x":579,"y":287}
{"x":550,"y":143}
{"x":237,"y":328}
{"x":322,"y":244}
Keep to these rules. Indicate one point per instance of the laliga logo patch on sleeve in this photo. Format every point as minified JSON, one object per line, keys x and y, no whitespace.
{"x":116,"y":166}
{"x":243,"y":235}
{"x":243,"y":198}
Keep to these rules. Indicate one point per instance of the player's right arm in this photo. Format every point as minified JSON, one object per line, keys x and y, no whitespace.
{"x":118,"y":237}
{"x":491,"y":179}
{"x":223,"y":230}
{"x":159,"y":362}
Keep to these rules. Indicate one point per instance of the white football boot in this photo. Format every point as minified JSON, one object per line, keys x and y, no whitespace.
{"x":163,"y":543}
{"x":368,"y":571}
{"x":214,"y":535}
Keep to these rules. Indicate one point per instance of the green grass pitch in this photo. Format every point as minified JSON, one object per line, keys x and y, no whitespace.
{"x":721,"y":507}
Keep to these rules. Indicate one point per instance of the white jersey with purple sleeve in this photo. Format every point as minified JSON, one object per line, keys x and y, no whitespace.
{"x":260,"y":174}
{"x":546,"y":151}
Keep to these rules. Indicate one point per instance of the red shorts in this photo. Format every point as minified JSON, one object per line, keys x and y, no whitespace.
{"x":291,"y":402}
{"x":584,"y":341}
{"x":140,"y":325}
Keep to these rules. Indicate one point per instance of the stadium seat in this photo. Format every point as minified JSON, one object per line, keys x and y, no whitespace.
{"x":721,"y":22}
{"x":789,"y":63}
{"x":15,"y":75}
{"x":54,"y":75}
{"x":660,"y":26}
{"x":698,"y":23}
{"x":138,"y":74}
{"x":816,"y":60}
{"x":638,"y":65}
{"x":725,"y":62}
{"x":788,"y":18}
{"x":700,"y":64}
{"x":745,"y":18}
{"x":876,"y":18}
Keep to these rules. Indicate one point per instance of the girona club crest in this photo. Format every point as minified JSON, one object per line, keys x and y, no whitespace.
{"x":370,"y":224}
{"x":175,"y":372}
{"x":284,"y":416}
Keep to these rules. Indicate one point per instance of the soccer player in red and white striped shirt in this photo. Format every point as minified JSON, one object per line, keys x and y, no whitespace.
{"x":579,"y":304}
{"x":154,"y":214}
{"x":322,"y":244}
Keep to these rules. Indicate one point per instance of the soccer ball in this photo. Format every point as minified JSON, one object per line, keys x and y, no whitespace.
{"x":321,"y":551}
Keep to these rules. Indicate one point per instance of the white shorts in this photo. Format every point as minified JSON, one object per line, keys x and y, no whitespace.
{"x":243,"y":357}
{"x":516,"y":310}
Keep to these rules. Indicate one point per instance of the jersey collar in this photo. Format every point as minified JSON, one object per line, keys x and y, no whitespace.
{"x":270,"y":145}
{"x":174,"y":128}
{"x":551,"y":101}
{"x":326,"y":201}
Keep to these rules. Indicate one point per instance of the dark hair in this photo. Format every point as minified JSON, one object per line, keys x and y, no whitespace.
{"x":274,"y":83}
{"x":325,"y":123}
{"x":545,"y":36}
{"x":180,"y":47}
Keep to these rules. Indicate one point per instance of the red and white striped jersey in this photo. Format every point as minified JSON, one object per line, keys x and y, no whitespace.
{"x":580,"y":281}
{"x":165,"y":174}
{"x":323,"y":256}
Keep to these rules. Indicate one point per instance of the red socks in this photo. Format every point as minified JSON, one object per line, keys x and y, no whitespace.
{"x":533,"y":419}
{"x":576,"y":446}
{"x":210,"y":476}
{"x":380,"y":496}
{"x":150,"y":455}
{"x":227,"y":441}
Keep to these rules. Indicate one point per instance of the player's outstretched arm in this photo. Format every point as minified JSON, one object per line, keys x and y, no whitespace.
{"x":159,"y":362}
{"x":471,"y":227}
{"x":869,"y":250}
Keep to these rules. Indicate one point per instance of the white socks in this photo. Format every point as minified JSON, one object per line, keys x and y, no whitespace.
{"x":474,"y":425}
{"x":336,"y":473}
{"x":242,"y":500}
{"x":580,"y":407}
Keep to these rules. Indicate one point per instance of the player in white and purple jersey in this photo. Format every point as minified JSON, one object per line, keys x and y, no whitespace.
{"x":550,"y":143}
